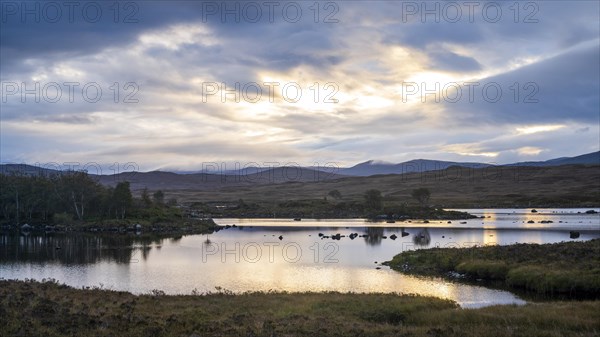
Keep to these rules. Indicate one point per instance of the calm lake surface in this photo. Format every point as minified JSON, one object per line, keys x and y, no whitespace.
{"x":285,"y":255}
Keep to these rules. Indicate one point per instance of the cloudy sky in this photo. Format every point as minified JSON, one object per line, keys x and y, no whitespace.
{"x":192,"y":82}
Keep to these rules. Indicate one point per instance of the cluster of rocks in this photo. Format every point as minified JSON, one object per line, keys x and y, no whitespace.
{"x":542,"y":221}
{"x":353,"y":236}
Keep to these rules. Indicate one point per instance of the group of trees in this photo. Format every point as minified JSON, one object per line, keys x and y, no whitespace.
{"x":374,"y":199}
{"x":67,"y":196}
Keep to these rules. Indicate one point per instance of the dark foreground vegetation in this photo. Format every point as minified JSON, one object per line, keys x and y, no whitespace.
{"x":49,"y":309}
{"x":566,"y":269}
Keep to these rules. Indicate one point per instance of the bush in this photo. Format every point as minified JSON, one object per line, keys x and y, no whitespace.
{"x":62,"y":218}
{"x":483,"y":269}
{"x":384,"y":315}
{"x":554,"y":281}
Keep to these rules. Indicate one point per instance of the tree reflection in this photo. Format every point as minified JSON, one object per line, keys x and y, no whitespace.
{"x":374,"y":235}
{"x":422,"y":238}
{"x":78,"y":248}
{"x":145,"y":251}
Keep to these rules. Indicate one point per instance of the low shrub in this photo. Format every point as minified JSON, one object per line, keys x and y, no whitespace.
{"x":491,"y":270}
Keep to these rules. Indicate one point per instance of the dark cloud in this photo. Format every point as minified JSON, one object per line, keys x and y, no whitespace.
{"x":559,"y":89}
{"x":80,"y":29}
{"x":291,"y":42}
{"x":421,"y":35}
{"x":445,"y":60}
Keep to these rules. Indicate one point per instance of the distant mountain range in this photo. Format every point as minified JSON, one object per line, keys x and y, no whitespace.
{"x":372,"y":167}
{"x":262,"y":176}
{"x":589,"y":159}
{"x":156,"y":180}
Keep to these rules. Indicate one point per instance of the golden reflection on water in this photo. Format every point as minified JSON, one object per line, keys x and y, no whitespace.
{"x":183,"y":266}
{"x":489,"y":216}
{"x":531,"y":217}
{"x":281,"y":277}
{"x":490,"y":237}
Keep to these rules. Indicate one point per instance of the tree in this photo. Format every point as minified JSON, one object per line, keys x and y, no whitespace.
{"x":122,"y":198}
{"x":172,"y":202}
{"x":107,"y":201}
{"x":146,"y":197}
{"x":159,"y":197}
{"x":78,"y":190}
{"x":373,"y":200}
{"x":335,"y":194}
{"x":62,"y":218}
{"x":64,"y":197}
{"x":421,"y":195}
{"x":9,"y":196}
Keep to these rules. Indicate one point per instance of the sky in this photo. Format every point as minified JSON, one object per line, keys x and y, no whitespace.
{"x":179,"y":84}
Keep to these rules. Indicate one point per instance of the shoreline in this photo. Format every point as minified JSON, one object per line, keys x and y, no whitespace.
{"x":188,"y":226}
{"x":135,"y":227}
{"x":207,"y":225}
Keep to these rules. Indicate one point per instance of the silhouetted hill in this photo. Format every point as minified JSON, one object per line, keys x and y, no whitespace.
{"x":264,"y":176}
{"x":589,"y":159}
{"x":201,"y":181}
{"x":372,"y":167}
{"x":29,"y":170}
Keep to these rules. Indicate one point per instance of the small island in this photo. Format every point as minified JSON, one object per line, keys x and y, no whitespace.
{"x":562,"y":269}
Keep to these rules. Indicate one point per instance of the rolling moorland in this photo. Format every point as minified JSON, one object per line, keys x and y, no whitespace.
{"x":564,"y":182}
{"x":554,"y":186}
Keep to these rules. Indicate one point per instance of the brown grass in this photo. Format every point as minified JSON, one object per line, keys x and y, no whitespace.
{"x":49,"y":309}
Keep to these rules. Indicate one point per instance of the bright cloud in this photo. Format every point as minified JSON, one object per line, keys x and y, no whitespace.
{"x":538,"y":128}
